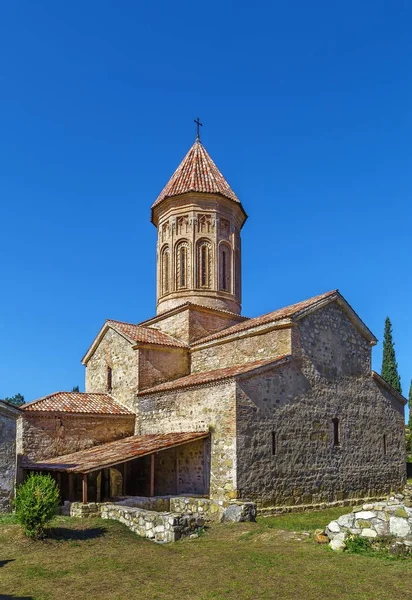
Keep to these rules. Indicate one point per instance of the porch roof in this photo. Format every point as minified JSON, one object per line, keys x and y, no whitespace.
{"x":113,"y":453}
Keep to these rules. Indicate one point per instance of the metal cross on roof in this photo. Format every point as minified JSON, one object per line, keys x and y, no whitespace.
{"x":198,"y":125}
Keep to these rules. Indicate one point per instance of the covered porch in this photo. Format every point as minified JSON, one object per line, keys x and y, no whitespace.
{"x":146,"y":465}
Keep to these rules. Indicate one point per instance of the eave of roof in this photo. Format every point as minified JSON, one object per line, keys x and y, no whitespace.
{"x":215,"y":376}
{"x":381,"y":381}
{"x":113,"y":453}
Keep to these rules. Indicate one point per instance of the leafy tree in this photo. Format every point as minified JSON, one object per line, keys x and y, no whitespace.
{"x":76,"y":389}
{"x":389,"y":364}
{"x":17,"y":400}
{"x":36,"y":503}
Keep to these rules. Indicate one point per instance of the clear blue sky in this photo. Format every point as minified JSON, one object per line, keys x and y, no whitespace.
{"x":306,"y":109}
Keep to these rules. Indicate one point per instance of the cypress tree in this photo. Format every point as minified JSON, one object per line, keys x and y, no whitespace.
{"x":410,"y":406}
{"x":389,"y":364}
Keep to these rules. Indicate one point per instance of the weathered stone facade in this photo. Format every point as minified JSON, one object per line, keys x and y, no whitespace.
{"x":241,"y":349}
{"x":8,"y":419}
{"x":199,"y":409}
{"x":286,"y":421}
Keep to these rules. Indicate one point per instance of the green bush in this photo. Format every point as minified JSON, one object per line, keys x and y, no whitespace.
{"x":357,"y":544}
{"x":36,"y":503}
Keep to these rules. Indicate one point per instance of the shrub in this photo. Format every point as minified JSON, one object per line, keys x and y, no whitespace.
{"x":36,"y":503}
{"x":357,"y":544}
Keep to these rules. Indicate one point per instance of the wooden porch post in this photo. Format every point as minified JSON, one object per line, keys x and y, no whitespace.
{"x":124,"y":478}
{"x":84,"y":488}
{"x":152,"y":473}
{"x":177,"y":470}
{"x":71,"y":494}
{"x":205,"y":466}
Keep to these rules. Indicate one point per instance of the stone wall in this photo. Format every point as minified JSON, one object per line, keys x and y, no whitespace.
{"x":156,"y":526}
{"x":214,"y":510}
{"x":190,"y":323}
{"x":45,"y":435}
{"x":157,"y":365}
{"x":331,"y":345}
{"x":117,"y":353}
{"x":240,"y":350}
{"x":198,"y":409}
{"x":8,"y":417}
{"x":180,"y":470}
{"x":287,"y":453}
{"x":203,"y":323}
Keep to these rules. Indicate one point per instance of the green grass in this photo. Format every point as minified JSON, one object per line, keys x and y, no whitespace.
{"x":88,"y":559}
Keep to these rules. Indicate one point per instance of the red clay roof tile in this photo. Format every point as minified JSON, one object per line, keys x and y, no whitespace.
{"x":276,"y":315}
{"x":212,"y":376}
{"x":197,"y":173}
{"x":77,"y":402}
{"x":145,"y":335}
{"x":115,"y":452}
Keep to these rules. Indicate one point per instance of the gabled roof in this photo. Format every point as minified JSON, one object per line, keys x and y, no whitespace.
{"x":197,"y":173}
{"x":113,"y":453}
{"x":135,"y":334}
{"x":214,"y":376}
{"x":292,"y":313}
{"x":77,"y":403}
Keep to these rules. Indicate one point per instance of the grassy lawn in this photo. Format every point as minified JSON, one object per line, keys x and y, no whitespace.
{"x":269,"y":560}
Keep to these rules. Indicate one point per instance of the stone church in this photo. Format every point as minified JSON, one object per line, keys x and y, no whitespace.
{"x":282,"y":409}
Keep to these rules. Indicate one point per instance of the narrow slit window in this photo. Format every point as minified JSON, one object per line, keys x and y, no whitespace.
{"x":183,"y":267}
{"x":336,"y":432}
{"x":273,"y":443}
{"x":385,"y":448}
{"x":166,"y":272}
{"x":224,"y":270}
{"x":203,"y":262}
{"x":109,"y":379}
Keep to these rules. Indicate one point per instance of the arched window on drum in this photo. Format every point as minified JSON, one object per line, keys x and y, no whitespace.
{"x":182,"y":265}
{"x":165,"y":270}
{"x":204,"y":262}
{"x":225,"y":268}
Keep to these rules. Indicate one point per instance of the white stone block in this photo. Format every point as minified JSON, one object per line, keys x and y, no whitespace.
{"x":368,"y":533}
{"x":337,"y":544}
{"x":366,"y":514}
{"x":399,"y":527}
{"x":333,"y":527}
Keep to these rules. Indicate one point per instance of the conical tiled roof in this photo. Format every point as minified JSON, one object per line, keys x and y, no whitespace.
{"x":197,"y":173}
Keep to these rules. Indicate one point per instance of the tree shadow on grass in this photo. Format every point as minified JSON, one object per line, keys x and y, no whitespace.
{"x":64,"y":533}
{"x":4,"y":562}
{"x":9,"y":597}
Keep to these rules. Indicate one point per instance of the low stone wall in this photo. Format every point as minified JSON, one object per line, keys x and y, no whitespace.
{"x":82,"y":511}
{"x":184,"y":517}
{"x":157,"y":503}
{"x":159,"y":527}
{"x":215,"y":510}
{"x":380,"y":519}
